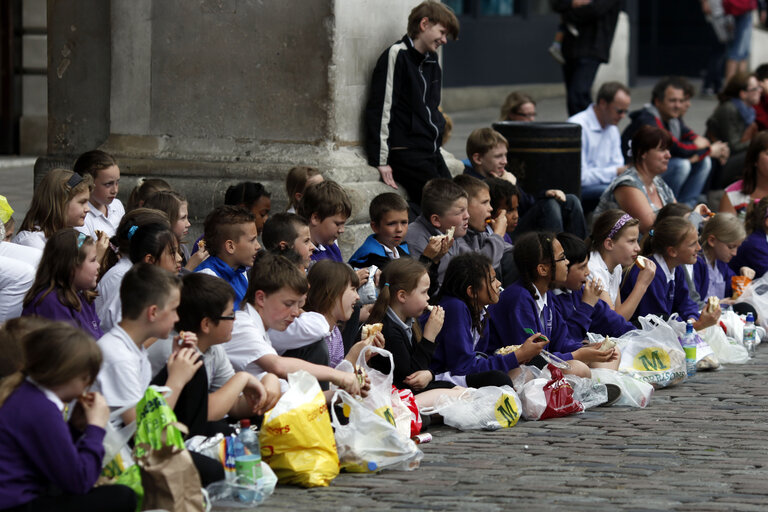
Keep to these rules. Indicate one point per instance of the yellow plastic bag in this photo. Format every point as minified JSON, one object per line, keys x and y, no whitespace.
{"x":296,"y":437}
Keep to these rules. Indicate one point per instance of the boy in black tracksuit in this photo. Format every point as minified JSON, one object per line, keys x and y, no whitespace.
{"x":404,"y":129}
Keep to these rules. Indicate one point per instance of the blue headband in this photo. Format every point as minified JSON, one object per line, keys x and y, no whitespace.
{"x":132,"y":231}
{"x":81,"y":237}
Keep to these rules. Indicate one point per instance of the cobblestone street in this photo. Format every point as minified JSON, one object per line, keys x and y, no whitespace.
{"x":699,"y":446}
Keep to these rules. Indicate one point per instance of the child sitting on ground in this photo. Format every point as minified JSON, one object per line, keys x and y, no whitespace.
{"x":297,"y":181}
{"x":753,"y":252}
{"x":613,"y":245}
{"x":528,"y":306}
{"x":505,"y":198}
{"x":60,"y":201}
{"x":105,"y":209}
{"x":232,"y":242}
{"x":253,"y":197}
{"x":288,"y":234}
{"x":553,"y":210}
{"x":326,"y":207}
{"x":175,"y":206}
{"x":720,"y":240}
{"x":144,"y":189}
{"x":672,"y":242}
{"x":65,"y":280}
{"x":39,"y":450}
{"x":444,"y":218}
{"x":389,"y":223}
{"x":577,"y":298}
{"x":276,"y":291}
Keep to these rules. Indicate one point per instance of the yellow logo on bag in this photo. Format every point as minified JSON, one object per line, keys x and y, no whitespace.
{"x":386,"y":413}
{"x":506,"y":411}
{"x":651,"y":359}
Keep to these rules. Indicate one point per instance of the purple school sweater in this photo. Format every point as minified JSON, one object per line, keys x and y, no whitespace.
{"x":752,"y":253}
{"x":662,"y":298}
{"x":52,"y":309}
{"x":38,"y":449}
{"x":331,"y":252}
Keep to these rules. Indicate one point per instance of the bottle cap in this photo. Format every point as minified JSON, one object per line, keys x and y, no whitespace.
{"x":245,"y":423}
{"x":750,"y":317}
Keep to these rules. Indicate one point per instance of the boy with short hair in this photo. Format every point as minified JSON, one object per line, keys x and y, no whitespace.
{"x":288,"y":234}
{"x":389,"y":222}
{"x":276,"y":292}
{"x":443,"y":212}
{"x":404,"y":127}
{"x":505,"y":198}
{"x":326,"y":207}
{"x":231,"y":239}
{"x":552,"y":210}
{"x":150,"y":296}
{"x":207,"y":310}
{"x":485,"y":233}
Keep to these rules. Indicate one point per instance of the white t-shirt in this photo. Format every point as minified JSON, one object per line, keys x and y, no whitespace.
{"x":97,"y":221}
{"x":611,"y":279}
{"x":34,"y":239}
{"x":108,"y":304}
{"x":307,"y":328}
{"x":125,"y":371}
{"x":16,"y":278}
{"x":217,"y":366}
{"x":249,"y":342}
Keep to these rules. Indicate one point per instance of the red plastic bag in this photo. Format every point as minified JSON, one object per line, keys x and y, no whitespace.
{"x":406,"y":412}
{"x":739,"y":7}
{"x":549,"y":398}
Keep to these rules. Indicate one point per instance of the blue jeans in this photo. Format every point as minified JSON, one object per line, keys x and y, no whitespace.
{"x":687,"y":180}
{"x":593,"y":192}
{"x":549,"y":214}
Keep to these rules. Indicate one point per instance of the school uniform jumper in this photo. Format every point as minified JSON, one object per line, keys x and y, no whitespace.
{"x":702,"y":273}
{"x":237,"y":277}
{"x":581,"y":318}
{"x":752,"y":253}
{"x":52,"y":308}
{"x":327,"y":252}
{"x":517,"y":310}
{"x":665,"y":295}
{"x":373,"y":252}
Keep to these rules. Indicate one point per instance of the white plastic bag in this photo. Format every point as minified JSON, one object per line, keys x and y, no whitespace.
{"x":238,"y":493}
{"x":116,"y":438}
{"x":368,"y":292}
{"x":486,"y":408}
{"x":368,"y":437}
{"x":550,"y":395}
{"x":589,"y":392}
{"x":727,"y":350}
{"x":634,"y":392}
{"x":379,"y":398}
{"x":733,"y":324}
{"x":705,"y":355}
{"x":756,"y":293}
{"x":652,"y":353}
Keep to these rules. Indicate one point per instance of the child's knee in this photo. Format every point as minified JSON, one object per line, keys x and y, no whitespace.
{"x":579,"y":369}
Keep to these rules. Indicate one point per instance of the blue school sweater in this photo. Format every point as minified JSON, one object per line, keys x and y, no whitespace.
{"x":662,"y":298}
{"x":581,"y":318}
{"x":372,"y":253}
{"x":331,"y":252}
{"x":753,"y":253}
{"x":455,"y":351}
{"x":516,"y":311}
{"x":236,"y":278}
{"x":701,"y":270}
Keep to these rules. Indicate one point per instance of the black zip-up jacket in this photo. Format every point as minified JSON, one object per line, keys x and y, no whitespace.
{"x":402,"y":106}
{"x":596,"y":23}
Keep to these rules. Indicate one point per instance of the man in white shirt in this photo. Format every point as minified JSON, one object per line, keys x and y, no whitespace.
{"x":601,"y":157}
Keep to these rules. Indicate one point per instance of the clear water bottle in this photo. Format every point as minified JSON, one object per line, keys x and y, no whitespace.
{"x":689,"y":346}
{"x":250,"y":440}
{"x":749,"y":335}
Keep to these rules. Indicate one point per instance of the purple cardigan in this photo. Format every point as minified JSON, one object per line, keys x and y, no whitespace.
{"x":752,"y":253}
{"x":701,"y":277}
{"x":52,"y":309}
{"x":659,"y":299}
{"x":38,"y":449}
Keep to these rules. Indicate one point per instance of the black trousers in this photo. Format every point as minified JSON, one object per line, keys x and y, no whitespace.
{"x":579,"y":75}
{"x":107,"y":498}
{"x":489,"y":378}
{"x":413,"y":169}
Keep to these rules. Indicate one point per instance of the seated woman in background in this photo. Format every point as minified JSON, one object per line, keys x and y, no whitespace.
{"x":518,"y":107}
{"x":754,"y":184}
{"x":733,"y":122}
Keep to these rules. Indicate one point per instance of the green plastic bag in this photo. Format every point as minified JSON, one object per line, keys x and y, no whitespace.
{"x":152,"y":415}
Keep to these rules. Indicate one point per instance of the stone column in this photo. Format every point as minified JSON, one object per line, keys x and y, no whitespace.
{"x":208,"y":93}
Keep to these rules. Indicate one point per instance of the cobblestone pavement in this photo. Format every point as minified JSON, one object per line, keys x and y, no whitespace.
{"x":699,"y":446}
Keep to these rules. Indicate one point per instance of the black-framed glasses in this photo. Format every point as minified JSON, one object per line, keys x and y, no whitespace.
{"x":558,"y":260}
{"x":228,"y":317}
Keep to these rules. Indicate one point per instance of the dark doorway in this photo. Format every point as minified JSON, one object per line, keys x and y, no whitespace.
{"x":10,"y":75}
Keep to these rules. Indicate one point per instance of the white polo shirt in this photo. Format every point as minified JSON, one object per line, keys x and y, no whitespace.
{"x":125,"y":371}
{"x":249,"y":342}
{"x":108,"y":303}
{"x":97,"y":221}
{"x":16,"y":278}
{"x":34,"y":239}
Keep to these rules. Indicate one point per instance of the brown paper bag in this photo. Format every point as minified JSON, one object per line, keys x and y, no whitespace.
{"x":169,"y":477}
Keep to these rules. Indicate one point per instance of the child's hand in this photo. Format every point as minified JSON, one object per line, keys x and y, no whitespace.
{"x":508,"y":176}
{"x":182,"y":366}
{"x":434,"y":324}
{"x":185,"y":339}
{"x":555,"y":193}
{"x":592,"y":354}
{"x":377,"y":340}
{"x":376,"y":277}
{"x":499,"y":224}
{"x":418,"y":380}
{"x":707,"y":318}
{"x":256,"y":395}
{"x":646,"y":275}
{"x":747,"y":272}
{"x":362,"y":275}
{"x":102,"y":244}
{"x":95,"y":408}
{"x":349,"y":383}
{"x":196,"y":259}
{"x":531,"y":348}
{"x":703,"y":210}
{"x":593,"y":288}
{"x":435,"y":249}
{"x":272,"y":385}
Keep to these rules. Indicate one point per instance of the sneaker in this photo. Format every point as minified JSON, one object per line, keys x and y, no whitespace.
{"x":556,"y":54}
{"x":570,"y":27}
{"x":614,"y":393}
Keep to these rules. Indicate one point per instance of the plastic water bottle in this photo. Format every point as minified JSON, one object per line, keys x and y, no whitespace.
{"x":689,"y":346}
{"x":251,"y":441}
{"x":749,"y":335}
